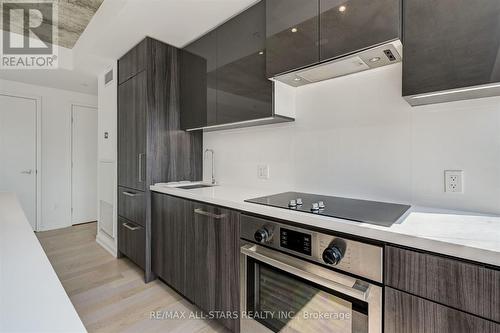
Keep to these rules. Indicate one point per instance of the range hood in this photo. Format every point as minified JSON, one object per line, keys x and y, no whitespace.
{"x":378,"y":56}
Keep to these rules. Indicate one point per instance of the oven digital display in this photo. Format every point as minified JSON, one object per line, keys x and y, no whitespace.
{"x":295,"y":241}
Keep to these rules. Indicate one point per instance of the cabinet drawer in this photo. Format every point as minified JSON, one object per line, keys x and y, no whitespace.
{"x":411,"y":314}
{"x":132,"y":241}
{"x":465,"y":286}
{"x":131,"y":205}
{"x":133,"y":62}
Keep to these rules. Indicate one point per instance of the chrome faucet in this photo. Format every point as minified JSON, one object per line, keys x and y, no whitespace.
{"x":213,"y":164}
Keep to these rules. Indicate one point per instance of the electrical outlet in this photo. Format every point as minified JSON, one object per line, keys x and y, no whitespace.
{"x":453,"y":181}
{"x":263,"y":171}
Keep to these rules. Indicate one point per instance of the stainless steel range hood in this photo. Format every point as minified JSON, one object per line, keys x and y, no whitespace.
{"x":378,"y":56}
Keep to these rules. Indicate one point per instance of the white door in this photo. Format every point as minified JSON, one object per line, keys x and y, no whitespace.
{"x":84,"y":161}
{"x":18,"y":151}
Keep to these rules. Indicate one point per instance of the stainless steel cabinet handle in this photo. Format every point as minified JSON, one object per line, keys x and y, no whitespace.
{"x":200,"y":211}
{"x":129,"y":227}
{"x":141,"y":179}
{"x":27,"y":172}
{"x":130,"y":194}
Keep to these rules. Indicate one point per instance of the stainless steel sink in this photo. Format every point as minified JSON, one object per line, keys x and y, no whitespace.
{"x":192,"y":187}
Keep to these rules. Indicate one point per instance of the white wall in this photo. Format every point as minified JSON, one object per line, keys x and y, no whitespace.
{"x":107,"y":148}
{"x":355,"y":136}
{"x":55,"y":170}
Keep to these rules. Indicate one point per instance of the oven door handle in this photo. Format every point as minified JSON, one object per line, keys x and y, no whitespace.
{"x":321,"y":276}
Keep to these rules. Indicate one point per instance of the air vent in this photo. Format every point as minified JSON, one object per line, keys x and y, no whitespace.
{"x":108,"y":77}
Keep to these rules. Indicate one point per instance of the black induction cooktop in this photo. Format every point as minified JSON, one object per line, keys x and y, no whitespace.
{"x":372,"y":212}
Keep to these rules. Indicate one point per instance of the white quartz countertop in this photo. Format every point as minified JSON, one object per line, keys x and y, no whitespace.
{"x":32,"y":298}
{"x":465,"y":235}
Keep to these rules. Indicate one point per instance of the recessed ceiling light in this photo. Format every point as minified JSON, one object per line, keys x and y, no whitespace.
{"x":297,"y":79}
{"x":374,"y":59}
{"x":261,"y":52}
{"x":294,"y":30}
{"x":342,"y":9}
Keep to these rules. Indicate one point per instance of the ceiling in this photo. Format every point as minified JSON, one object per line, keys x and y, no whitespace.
{"x":117,"y":26}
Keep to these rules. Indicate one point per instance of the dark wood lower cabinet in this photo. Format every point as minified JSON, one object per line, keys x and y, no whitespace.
{"x":405,"y":313}
{"x":466,"y":286}
{"x":132,"y":241}
{"x":195,"y":249}
{"x":169,"y":242}
{"x":216,"y":258}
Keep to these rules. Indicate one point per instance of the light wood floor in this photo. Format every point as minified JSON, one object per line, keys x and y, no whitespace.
{"x":109,"y":294}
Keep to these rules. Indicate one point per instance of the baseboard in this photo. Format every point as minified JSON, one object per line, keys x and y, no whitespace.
{"x":107,"y":243}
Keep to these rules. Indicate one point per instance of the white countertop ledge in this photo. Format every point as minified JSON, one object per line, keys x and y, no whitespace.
{"x":32,"y":298}
{"x":464,"y":235}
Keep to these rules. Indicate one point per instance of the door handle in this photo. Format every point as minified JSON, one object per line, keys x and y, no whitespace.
{"x":27,"y":172}
{"x":140,"y":168}
{"x":129,"y":227}
{"x":130,"y":194}
{"x":333,"y":280}
{"x":200,"y":211}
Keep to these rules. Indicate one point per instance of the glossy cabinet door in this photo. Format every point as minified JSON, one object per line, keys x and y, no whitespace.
{"x":450,"y":44}
{"x":243,"y":90}
{"x":352,"y":25}
{"x":132,"y":132}
{"x":292,"y":30}
{"x":204,"y":115}
{"x":216,"y":256}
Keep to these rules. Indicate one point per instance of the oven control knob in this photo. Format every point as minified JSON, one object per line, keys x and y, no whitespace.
{"x":262,"y":235}
{"x":332,"y":255}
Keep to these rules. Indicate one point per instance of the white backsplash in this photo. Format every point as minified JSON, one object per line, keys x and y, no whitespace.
{"x":355,"y":136}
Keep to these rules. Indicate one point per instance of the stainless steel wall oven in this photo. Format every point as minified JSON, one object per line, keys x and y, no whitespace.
{"x":288,"y":285}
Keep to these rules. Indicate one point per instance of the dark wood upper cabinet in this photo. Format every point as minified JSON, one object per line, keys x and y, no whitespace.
{"x":199,"y":82}
{"x":292,"y":35}
{"x":352,"y":25}
{"x":132,"y":117}
{"x":133,"y":62}
{"x":243,"y":91}
{"x":450,"y":44}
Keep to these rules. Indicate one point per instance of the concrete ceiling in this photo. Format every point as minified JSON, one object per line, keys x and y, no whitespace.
{"x":117,"y":26}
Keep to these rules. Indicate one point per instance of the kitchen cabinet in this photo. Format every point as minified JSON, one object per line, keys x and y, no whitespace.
{"x":243,"y":91}
{"x":223,"y":76}
{"x":195,"y":249}
{"x":349,"y":26}
{"x":468,"y":287}
{"x":172,"y":241}
{"x":131,"y":241}
{"x":151,"y":146}
{"x":216,"y":252}
{"x":132,"y":132}
{"x":132,"y":205}
{"x":449,"y":44}
{"x":133,"y":62}
{"x":199,"y":82}
{"x":411,"y":314}
{"x":292,"y":31}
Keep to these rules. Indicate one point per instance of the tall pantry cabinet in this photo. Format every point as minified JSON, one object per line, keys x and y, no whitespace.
{"x":152,"y":147}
